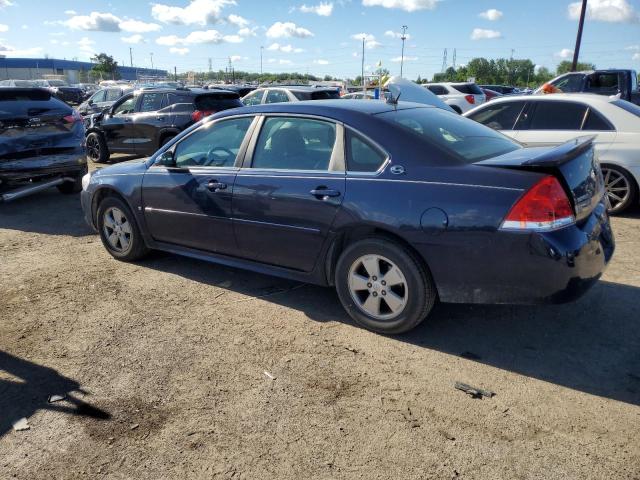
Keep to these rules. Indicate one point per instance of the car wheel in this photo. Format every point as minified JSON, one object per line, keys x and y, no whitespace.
{"x":383,"y":286}
{"x":69,"y":188}
{"x":97,"y":149}
{"x":119,"y":231}
{"x":620,"y":188}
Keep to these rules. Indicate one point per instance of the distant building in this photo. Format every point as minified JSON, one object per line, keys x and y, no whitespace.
{"x":73,"y":72}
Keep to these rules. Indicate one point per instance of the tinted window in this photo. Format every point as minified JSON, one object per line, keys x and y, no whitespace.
{"x":557,"y":116}
{"x":112,"y":94}
{"x":500,"y":116}
{"x":125,"y":107}
{"x":361,"y":155}
{"x":595,"y":121}
{"x":301,"y":95}
{"x":98,"y":96}
{"x":276,"y":96}
{"x":438,"y":89}
{"x":295,"y":144}
{"x":151,"y":102}
{"x":628,"y":106}
{"x":253,"y":98}
{"x":213,"y":145}
{"x":603,"y":83}
{"x":463,"y":139}
{"x":468,"y":88}
{"x":325,"y":95}
{"x":569,"y":83}
{"x":218,"y":102}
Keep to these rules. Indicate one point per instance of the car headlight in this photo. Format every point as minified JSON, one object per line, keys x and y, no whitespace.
{"x":85,"y":181}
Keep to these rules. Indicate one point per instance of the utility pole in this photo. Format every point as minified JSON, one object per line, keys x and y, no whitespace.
{"x":576,"y":51}
{"x":364,"y":88}
{"x":131,"y":56}
{"x":403,"y":37}
{"x":511,"y":65}
{"x":454,"y":58}
{"x":151,"y":61}
{"x":175,"y":73}
{"x":444,"y":61}
{"x":261,"y":50}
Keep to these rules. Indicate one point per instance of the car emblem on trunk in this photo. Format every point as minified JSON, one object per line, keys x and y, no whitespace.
{"x":397,"y":169}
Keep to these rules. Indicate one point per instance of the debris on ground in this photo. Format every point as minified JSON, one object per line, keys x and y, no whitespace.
{"x":56,"y":398}
{"x":269,"y":375}
{"x":474,"y":391}
{"x":134,"y":426}
{"x":21,"y":424}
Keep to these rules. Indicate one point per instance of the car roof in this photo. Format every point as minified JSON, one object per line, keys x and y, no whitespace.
{"x":330,"y":107}
{"x":449,"y":83}
{"x":183,"y":91}
{"x":556,"y":97}
{"x":301,"y":88}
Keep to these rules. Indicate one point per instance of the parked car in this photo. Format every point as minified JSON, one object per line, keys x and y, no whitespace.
{"x":358,"y":96}
{"x":18,"y":83}
{"x":289,"y":93}
{"x":41,"y":143}
{"x":602,"y":82}
{"x":397,"y":205}
{"x":553,"y":119}
{"x":461,"y":96}
{"x":103,"y":99}
{"x":142,"y":121}
{"x":242,"y":90}
{"x":503,"y":89}
{"x":491,"y":94}
{"x":60,"y":89}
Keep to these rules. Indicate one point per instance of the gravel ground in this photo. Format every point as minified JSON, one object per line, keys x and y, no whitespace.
{"x":175,"y":368}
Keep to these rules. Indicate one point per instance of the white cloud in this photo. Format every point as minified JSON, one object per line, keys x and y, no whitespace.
{"x":492,"y":14}
{"x":9,"y":51}
{"x":565,"y":53}
{"x":276,"y":47}
{"x":406,"y":59}
{"x":483,"y":34}
{"x":616,"y":11}
{"x":370,"y":41}
{"x":107,"y":22}
{"x":133,"y":39}
{"x":237,"y":20}
{"x":636,"y":56}
{"x":281,"y":61}
{"x":392,"y":34}
{"x":321,"y":62}
{"x":323,"y":9}
{"x":198,"y":37}
{"x":4,"y":28}
{"x":198,"y":12}
{"x":179,"y":51}
{"x":286,"y":30}
{"x":407,"y":5}
{"x":632,"y":47}
{"x":86,"y":45}
{"x":6,"y":3}
{"x":25,"y":27}
{"x":237,"y":58}
{"x":247,"y":32}
{"x":70,"y":12}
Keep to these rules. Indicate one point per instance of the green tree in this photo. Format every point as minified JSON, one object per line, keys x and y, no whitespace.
{"x":105,"y":67}
{"x":565,"y":66}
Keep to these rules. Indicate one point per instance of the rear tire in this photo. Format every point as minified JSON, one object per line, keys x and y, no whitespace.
{"x":383,"y":286}
{"x":119,"y":231}
{"x":97,"y":149}
{"x":621,"y":188}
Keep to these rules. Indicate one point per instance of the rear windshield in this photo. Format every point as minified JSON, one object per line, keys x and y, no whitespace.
{"x":628,"y":106}
{"x":467,"y":88}
{"x":57,"y":83}
{"x":15,"y":94}
{"x":464,"y":139}
{"x":319,"y":95}
{"x":218,"y":101}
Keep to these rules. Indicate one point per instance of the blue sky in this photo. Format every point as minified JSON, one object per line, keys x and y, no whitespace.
{"x":319,"y":36}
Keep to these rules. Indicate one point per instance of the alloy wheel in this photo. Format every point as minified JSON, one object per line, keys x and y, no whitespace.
{"x":617,"y":187}
{"x":117,"y":229}
{"x":93,"y":148}
{"x":378,"y":287}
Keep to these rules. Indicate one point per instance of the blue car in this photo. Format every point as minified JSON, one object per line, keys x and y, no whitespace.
{"x":396,"y":205}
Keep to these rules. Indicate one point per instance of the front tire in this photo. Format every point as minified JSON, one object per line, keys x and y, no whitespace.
{"x":383,"y":286}
{"x":620,"y":187}
{"x":119,"y":231}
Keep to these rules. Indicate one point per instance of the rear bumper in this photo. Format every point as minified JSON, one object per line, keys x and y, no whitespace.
{"x":15,"y":173}
{"x":528,"y":268}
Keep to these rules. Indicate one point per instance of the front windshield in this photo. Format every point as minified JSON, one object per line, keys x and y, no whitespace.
{"x":464,"y":139}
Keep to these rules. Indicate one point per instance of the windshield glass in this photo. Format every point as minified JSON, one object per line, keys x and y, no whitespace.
{"x":464,"y":139}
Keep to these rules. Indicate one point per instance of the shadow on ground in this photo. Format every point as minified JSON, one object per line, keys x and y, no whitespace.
{"x":25,"y":388}
{"x":592,"y":345}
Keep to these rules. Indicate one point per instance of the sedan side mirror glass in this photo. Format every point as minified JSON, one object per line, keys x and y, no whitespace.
{"x":166,"y":159}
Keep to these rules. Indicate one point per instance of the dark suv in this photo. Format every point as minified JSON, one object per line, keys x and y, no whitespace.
{"x":142,"y":121}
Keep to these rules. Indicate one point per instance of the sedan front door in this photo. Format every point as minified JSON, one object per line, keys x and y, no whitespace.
{"x":289,"y":190}
{"x":188,"y":203}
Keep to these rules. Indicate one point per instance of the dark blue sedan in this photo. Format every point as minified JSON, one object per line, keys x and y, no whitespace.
{"x":396,"y":205}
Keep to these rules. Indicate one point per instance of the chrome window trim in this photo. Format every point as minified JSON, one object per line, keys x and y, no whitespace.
{"x":378,"y":172}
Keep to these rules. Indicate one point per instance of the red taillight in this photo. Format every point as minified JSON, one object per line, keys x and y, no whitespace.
{"x":470,"y":98}
{"x":73,"y":118}
{"x":544,"y":207}
{"x":200,"y":114}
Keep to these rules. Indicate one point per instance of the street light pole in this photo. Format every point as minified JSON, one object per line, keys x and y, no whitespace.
{"x":261,"y":50}
{"x":576,"y":52}
{"x":364,"y":88}
{"x":131,"y":55}
{"x":151,"y":61}
{"x":403,"y":37}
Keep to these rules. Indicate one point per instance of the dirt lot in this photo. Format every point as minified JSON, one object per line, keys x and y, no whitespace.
{"x":164,"y":362}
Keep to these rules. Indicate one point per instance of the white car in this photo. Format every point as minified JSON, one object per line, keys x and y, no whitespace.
{"x":460,"y":96}
{"x":289,"y":93}
{"x":537,"y":121}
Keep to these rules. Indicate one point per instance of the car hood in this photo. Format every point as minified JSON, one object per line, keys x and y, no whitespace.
{"x":137,"y":165}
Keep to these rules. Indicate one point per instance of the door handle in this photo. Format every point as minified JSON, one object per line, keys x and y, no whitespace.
{"x":323,"y":193}
{"x":214,"y":185}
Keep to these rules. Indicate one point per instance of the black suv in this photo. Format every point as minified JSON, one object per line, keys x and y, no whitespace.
{"x":142,"y":121}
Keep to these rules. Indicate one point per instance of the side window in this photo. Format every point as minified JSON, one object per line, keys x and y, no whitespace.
{"x":569,"y":83}
{"x":213,"y":145}
{"x":113,"y":94}
{"x":557,"y":116}
{"x":151,"y":102}
{"x":438,"y":89}
{"x":98,"y":96}
{"x":499,"y":116}
{"x":603,"y":83}
{"x":253,"y":98}
{"x":125,"y":107}
{"x":595,"y":121}
{"x":276,"y":96}
{"x":361,"y":155}
{"x":294,"y":144}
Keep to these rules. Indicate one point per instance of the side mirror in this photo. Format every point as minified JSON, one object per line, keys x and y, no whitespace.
{"x":166,"y":159}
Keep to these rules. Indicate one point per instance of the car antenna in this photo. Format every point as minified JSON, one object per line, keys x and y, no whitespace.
{"x":394,"y":101}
